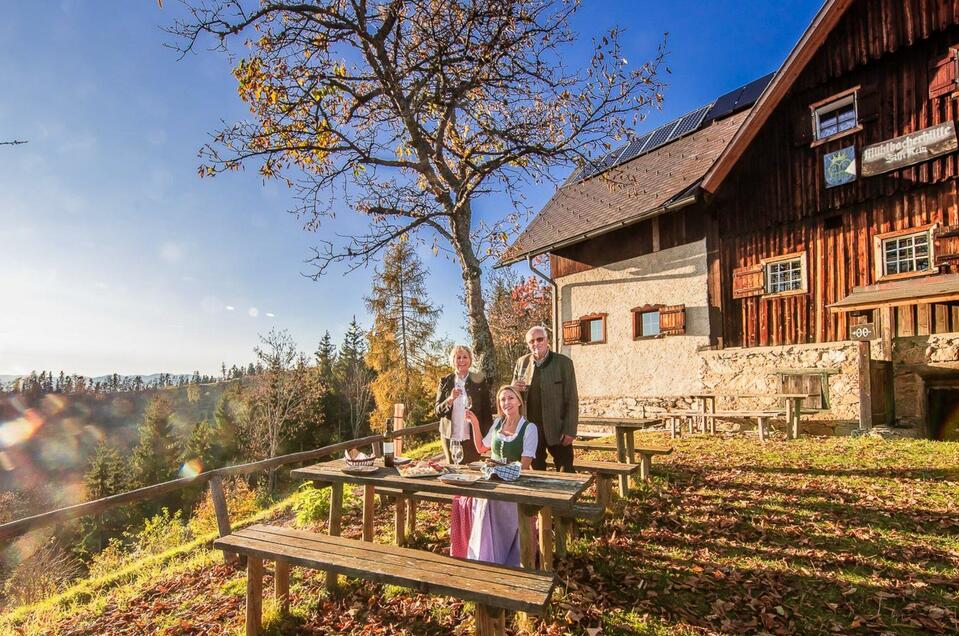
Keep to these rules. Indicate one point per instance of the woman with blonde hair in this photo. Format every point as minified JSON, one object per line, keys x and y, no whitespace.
{"x":457,"y":393}
{"x":461,"y":398}
{"x":495,"y":533}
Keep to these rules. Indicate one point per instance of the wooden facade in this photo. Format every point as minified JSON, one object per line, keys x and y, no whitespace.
{"x":667,"y":230}
{"x":774,"y":201}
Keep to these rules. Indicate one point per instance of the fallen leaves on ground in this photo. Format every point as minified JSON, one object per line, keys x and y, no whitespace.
{"x":844,"y":536}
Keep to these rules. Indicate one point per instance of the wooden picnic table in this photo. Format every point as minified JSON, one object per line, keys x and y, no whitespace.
{"x":793,"y":403}
{"x":535,"y":493}
{"x":624,"y":428}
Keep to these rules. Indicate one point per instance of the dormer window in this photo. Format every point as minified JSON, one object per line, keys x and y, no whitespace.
{"x":835,"y":116}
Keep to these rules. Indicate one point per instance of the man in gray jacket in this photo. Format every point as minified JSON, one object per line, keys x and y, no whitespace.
{"x":548,"y":382}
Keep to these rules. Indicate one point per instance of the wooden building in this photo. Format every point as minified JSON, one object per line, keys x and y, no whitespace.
{"x":829,"y":202}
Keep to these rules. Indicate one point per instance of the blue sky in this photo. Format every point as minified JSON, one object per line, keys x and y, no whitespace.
{"x":117,"y":257}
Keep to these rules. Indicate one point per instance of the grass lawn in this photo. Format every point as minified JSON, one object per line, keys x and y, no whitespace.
{"x":808,"y":536}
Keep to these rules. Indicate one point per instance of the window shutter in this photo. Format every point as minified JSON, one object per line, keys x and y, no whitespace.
{"x":942,"y":75}
{"x":867,"y":103}
{"x":802,"y":130}
{"x":946,"y":243}
{"x":749,"y":281}
{"x":672,"y":320}
{"x":572,"y":331}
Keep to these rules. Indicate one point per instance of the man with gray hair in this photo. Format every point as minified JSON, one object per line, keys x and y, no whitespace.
{"x":548,"y":382}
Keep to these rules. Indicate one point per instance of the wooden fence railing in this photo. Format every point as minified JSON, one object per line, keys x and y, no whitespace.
{"x":214,"y":477}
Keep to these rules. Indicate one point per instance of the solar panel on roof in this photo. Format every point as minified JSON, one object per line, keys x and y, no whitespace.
{"x":634,"y":147}
{"x":739,"y":98}
{"x":724,"y":105}
{"x":753,"y":90}
{"x":689,"y":122}
{"x":660,"y":135}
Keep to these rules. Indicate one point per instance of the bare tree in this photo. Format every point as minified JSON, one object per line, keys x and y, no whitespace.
{"x":277,"y":395}
{"x":416,"y":108}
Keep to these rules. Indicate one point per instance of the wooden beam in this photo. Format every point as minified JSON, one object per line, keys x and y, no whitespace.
{"x":490,"y":621}
{"x":546,"y":537}
{"x":281,"y":587}
{"x":222,"y":515}
{"x":369,"y":502}
{"x":335,"y":526}
{"x":887,"y":329}
{"x":254,"y":595}
{"x":865,"y":385}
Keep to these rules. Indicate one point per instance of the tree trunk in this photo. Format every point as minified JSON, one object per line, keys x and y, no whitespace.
{"x":473,"y":292}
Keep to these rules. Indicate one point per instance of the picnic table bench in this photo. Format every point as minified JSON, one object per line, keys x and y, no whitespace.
{"x":761,"y":418}
{"x":792,"y":409}
{"x":493,"y":588}
{"x":645,"y":452}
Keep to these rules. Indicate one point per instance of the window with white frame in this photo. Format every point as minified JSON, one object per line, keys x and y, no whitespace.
{"x":786,"y":274}
{"x":907,"y":253}
{"x":835,"y":117}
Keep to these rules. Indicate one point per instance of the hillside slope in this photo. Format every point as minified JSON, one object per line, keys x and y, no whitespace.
{"x":839,"y":535}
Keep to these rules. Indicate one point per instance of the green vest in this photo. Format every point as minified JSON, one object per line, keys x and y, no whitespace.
{"x":509,"y":451}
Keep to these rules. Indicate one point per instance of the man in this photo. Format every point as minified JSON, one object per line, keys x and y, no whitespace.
{"x":548,"y":382}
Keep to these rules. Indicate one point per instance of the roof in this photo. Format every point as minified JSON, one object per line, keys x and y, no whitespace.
{"x":817,"y":32}
{"x":937,"y":289}
{"x":580,"y":209}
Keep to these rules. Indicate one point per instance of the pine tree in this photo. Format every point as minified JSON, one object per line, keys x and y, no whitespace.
{"x":203,"y":447}
{"x":105,"y":476}
{"x":353,"y":378}
{"x":156,"y":457}
{"x":403,"y":326}
{"x":332,"y":404}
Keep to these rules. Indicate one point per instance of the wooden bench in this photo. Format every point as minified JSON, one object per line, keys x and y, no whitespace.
{"x":605,"y":472}
{"x":645,"y":453}
{"x":761,"y":418}
{"x":493,"y":588}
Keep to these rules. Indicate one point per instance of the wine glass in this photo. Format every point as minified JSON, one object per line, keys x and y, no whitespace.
{"x":467,"y":401}
{"x":456,"y":451}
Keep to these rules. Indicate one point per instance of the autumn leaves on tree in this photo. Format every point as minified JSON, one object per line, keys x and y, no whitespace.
{"x":409,"y":111}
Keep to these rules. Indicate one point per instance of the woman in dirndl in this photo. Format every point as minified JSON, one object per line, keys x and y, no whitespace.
{"x":495,"y":534}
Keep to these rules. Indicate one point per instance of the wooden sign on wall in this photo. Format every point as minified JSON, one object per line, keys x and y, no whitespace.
{"x":910,"y":149}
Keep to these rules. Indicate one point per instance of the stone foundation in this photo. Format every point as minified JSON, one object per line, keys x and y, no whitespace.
{"x":758,"y":369}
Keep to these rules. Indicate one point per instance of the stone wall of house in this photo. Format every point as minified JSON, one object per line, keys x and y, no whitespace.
{"x":757,"y":370}
{"x":915,"y":358}
{"x":609,"y":373}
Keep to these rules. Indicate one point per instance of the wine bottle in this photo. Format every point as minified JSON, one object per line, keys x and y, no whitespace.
{"x":388,"y":446}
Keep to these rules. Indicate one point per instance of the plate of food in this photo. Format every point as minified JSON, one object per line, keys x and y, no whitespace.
{"x":359,"y":470}
{"x":420,"y":469}
{"x":401,"y":461}
{"x":460,"y":478}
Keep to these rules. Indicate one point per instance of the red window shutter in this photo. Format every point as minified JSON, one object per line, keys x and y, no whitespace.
{"x":945,"y":242}
{"x":572,"y":331}
{"x":749,"y":281}
{"x":672,"y":320}
{"x":942,"y":75}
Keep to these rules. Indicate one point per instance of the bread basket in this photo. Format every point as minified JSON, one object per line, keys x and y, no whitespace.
{"x":355,"y":458}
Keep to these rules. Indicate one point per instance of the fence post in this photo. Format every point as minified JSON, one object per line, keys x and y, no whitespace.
{"x":398,"y":410}
{"x":222,"y":515}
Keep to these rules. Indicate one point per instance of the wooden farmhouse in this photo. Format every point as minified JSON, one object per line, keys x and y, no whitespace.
{"x":798,"y":234}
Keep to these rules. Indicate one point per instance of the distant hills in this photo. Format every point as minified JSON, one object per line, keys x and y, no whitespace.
{"x":6,"y":381}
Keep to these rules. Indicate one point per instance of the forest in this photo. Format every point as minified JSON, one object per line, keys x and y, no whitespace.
{"x":67,"y":438}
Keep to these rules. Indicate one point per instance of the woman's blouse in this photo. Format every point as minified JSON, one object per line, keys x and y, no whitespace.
{"x":460,"y":427}
{"x":530,"y":440}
